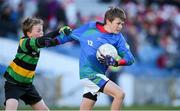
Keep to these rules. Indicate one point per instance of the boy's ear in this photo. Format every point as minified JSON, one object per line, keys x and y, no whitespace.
{"x":28,"y":34}
{"x":108,"y":21}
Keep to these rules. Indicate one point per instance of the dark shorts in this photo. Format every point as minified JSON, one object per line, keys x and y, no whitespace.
{"x":26,"y":93}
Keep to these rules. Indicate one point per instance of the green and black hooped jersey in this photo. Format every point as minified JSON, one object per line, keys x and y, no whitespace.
{"x":22,"y":68}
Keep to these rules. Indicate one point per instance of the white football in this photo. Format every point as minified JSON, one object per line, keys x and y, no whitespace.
{"x":106,"y":49}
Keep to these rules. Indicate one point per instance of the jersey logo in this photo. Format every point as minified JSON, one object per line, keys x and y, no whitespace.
{"x":90,"y":42}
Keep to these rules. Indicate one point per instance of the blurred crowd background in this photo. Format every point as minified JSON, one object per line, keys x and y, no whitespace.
{"x":152,"y":30}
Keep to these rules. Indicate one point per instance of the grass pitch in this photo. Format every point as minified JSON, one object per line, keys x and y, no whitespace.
{"x":107,"y":108}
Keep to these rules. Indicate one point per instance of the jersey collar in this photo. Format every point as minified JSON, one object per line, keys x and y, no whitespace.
{"x":100,"y":27}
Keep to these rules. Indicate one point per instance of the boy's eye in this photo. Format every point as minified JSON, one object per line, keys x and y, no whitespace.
{"x":120,"y":23}
{"x":39,"y":30}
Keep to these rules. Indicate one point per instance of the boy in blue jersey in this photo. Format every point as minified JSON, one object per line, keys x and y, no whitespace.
{"x":92,"y":71}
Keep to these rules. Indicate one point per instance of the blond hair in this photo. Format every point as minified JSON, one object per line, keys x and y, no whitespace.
{"x":29,"y":22}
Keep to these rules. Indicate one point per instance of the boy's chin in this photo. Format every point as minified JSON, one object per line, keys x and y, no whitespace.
{"x":38,"y":36}
{"x":116,"y":32}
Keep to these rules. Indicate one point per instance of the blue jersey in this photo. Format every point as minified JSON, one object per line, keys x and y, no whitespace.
{"x":90,"y":39}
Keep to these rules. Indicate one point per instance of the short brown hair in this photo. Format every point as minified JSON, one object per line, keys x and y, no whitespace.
{"x":28,"y":23}
{"x":114,"y":12}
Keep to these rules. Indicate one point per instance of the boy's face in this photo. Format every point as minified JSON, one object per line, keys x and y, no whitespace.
{"x":116,"y":25}
{"x":37,"y":31}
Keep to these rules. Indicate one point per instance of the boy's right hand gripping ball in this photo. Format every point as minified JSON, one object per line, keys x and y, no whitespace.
{"x":106,"y":54}
{"x":66,"y":30}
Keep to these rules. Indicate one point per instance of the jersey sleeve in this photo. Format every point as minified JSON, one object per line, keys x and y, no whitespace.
{"x":63,"y":38}
{"x":47,"y":40}
{"x":124,"y":52}
{"x":76,"y":33}
{"x":27,"y":44}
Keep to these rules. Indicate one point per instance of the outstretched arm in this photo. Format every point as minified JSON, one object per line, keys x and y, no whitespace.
{"x":48,"y":40}
{"x":57,"y":37}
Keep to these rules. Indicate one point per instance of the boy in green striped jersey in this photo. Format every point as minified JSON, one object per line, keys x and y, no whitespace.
{"x":21,"y":71}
